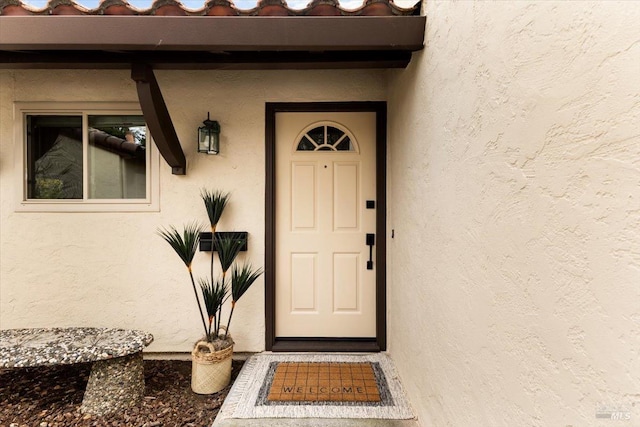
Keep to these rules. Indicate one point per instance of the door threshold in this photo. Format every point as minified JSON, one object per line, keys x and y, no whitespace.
{"x":359,"y":345}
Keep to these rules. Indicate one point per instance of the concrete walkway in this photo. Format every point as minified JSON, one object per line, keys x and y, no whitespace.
{"x":253,"y":369}
{"x":312,"y":422}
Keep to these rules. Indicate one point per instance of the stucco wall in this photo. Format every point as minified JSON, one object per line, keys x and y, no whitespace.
{"x":515,"y":199}
{"x":111,"y":269}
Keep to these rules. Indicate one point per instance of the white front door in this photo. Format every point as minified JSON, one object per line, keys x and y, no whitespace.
{"x":325,"y":207}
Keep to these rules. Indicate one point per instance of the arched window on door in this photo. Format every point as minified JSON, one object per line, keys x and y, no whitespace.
{"x":326,"y":137}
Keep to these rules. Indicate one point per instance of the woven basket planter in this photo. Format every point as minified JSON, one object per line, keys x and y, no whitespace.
{"x":210,"y":369}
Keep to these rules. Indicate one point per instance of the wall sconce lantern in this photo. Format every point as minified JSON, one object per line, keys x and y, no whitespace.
{"x":209,"y":137}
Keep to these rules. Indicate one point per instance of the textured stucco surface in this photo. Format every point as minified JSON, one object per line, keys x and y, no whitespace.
{"x":111,"y":269}
{"x":515,"y":200}
{"x":514,"y":186}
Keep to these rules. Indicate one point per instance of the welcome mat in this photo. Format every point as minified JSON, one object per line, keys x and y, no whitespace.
{"x":302,"y":383}
{"x":275,"y":385}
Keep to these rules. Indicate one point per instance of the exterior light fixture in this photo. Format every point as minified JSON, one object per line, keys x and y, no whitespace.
{"x":209,"y":137}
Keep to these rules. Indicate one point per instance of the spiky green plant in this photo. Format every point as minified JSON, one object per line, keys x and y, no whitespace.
{"x":241,"y":280}
{"x":214,"y":292}
{"x":186,"y":245}
{"x":214,"y":295}
{"x":228,"y":247}
{"x":214,"y":203}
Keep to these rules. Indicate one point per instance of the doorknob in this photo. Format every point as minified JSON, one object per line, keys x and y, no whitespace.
{"x":371,"y":240}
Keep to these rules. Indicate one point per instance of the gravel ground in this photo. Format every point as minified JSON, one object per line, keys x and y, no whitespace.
{"x":51,"y":397}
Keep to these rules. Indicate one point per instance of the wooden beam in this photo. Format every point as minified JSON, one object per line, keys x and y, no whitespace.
{"x":157,"y":117}
{"x":254,"y":60}
{"x":211,"y":33}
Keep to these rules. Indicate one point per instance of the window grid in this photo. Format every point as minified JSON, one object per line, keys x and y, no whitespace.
{"x":325,"y":138}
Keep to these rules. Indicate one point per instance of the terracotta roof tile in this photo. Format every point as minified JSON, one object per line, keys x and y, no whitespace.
{"x":167,"y":8}
{"x":323,"y":8}
{"x":211,"y":8}
{"x":220,"y":8}
{"x":273,"y":8}
{"x":15,"y":10}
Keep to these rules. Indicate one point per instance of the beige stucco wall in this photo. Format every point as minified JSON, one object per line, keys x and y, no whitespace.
{"x":515,"y":199}
{"x":111,"y":269}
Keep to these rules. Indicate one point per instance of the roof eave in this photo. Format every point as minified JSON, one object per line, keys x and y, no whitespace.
{"x":276,"y":60}
{"x":211,"y":34}
{"x":145,"y":43}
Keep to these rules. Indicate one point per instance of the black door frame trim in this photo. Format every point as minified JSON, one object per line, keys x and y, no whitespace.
{"x":273,"y":343}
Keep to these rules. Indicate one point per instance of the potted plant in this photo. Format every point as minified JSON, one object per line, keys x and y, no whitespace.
{"x":211,"y":355}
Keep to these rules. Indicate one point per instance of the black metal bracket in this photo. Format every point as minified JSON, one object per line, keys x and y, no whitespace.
{"x":206,"y":243}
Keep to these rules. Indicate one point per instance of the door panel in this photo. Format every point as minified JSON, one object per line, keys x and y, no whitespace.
{"x":303,"y":196}
{"x":303,"y":282}
{"x":325,"y":172}
{"x":345,"y":205}
{"x":346,"y":285}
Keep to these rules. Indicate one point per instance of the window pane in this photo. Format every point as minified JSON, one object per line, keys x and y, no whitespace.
{"x":333,"y":135}
{"x":306,"y":145}
{"x":317,"y":135}
{"x":117,"y":157}
{"x":54,"y":157}
{"x":345,"y":145}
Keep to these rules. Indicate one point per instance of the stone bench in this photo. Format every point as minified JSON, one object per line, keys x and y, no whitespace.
{"x":116,"y":381}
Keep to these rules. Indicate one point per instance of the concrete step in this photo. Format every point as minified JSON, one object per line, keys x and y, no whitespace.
{"x":312,"y":422}
{"x":244,"y":397}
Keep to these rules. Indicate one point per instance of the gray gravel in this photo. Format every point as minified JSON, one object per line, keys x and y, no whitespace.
{"x":51,"y":396}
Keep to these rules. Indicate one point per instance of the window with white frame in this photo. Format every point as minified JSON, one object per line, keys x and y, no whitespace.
{"x":85,"y":157}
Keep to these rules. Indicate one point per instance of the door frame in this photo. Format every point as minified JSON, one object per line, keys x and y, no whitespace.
{"x":273,"y":343}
